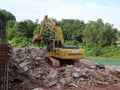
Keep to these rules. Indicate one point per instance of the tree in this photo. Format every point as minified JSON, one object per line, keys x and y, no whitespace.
{"x":97,"y":35}
{"x":4,"y":17}
{"x":109,"y":35}
{"x":72,"y":29}
{"x":27,"y":28}
{"x":20,"y":32}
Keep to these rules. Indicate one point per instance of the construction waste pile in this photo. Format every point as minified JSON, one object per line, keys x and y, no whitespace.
{"x":29,"y":72}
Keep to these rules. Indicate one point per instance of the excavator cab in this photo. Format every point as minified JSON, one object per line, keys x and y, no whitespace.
{"x":54,"y":43}
{"x":57,"y":43}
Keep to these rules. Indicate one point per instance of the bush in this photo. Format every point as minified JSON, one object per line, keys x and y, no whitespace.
{"x":20,"y":42}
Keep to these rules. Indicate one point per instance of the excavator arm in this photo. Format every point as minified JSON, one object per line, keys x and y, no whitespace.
{"x":52,"y":26}
{"x":37,"y":38}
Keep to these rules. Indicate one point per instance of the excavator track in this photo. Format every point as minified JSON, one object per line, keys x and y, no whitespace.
{"x":53,"y":62}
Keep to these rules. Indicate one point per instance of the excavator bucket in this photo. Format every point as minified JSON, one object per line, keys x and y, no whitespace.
{"x":36,"y":39}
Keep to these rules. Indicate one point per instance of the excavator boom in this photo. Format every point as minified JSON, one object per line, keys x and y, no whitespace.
{"x":37,"y":38}
{"x":47,"y":22}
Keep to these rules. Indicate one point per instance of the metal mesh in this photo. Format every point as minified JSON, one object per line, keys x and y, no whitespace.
{"x":4,"y":66}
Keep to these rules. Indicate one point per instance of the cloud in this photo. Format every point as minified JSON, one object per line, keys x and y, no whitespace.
{"x":84,"y":10}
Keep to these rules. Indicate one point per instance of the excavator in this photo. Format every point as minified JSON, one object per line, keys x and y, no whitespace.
{"x":57,"y":53}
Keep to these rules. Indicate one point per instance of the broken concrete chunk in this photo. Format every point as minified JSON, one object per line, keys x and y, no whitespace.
{"x":104,"y":72}
{"x":53,"y":73}
{"x":76,"y":74}
{"x":100,"y":66}
{"x":52,"y":83}
{"x":87,"y":62}
{"x":73,"y":85}
{"x":102,"y":83}
{"x":38,"y":58}
{"x":66,"y":80}
{"x":63,"y":81}
{"x":117,"y":70}
{"x":38,"y":89}
{"x":96,"y":75}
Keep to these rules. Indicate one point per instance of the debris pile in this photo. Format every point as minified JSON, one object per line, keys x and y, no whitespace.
{"x":31,"y":60}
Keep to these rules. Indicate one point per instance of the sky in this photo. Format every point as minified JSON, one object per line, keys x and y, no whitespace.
{"x":86,"y":10}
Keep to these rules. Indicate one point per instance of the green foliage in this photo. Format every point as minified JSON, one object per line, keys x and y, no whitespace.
{"x":11,"y":29}
{"x":110,"y":51}
{"x":72,"y":29}
{"x":95,"y":37}
{"x":27,"y":27}
{"x":98,"y":35}
{"x":20,"y":34}
{"x":5,"y":15}
{"x":20,"y":42}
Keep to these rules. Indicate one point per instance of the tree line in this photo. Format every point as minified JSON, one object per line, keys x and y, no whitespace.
{"x":96,"y":37}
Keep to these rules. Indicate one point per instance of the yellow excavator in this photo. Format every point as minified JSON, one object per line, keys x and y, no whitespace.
{"x":57,"y":53}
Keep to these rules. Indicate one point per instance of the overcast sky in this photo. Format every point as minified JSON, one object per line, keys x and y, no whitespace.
{"x":108,"y":10}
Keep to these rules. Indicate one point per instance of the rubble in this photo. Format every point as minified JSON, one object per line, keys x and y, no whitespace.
{"x":31,"y":60}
